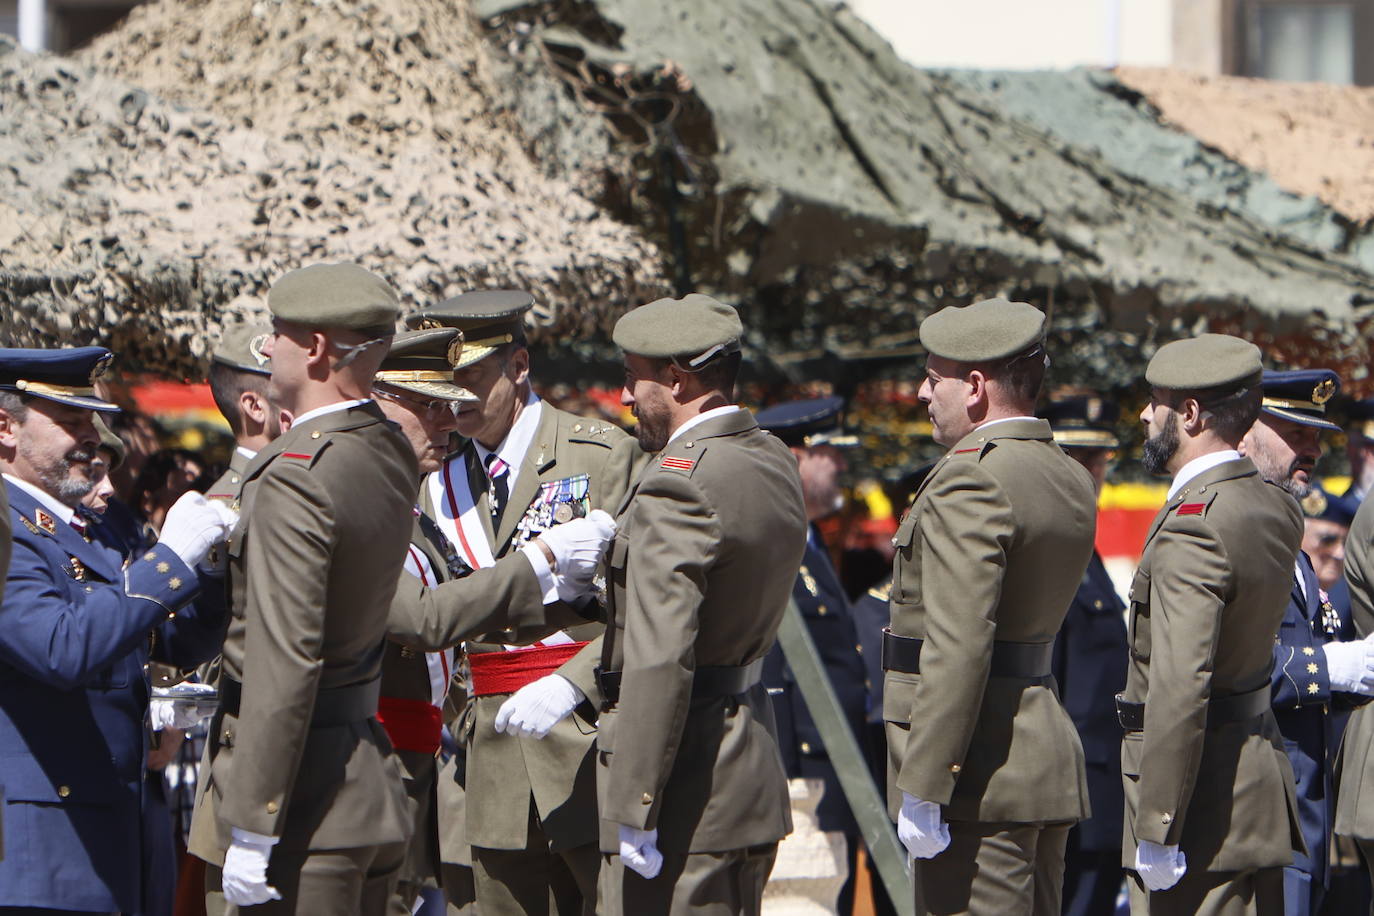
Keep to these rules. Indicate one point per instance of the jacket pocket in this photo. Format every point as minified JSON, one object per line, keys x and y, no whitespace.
{"x":1138,"y":627}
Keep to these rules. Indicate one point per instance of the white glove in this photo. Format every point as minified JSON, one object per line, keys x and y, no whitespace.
{"x":639,"y":851}
{"x":538,"y":706}
{"x":245,"y":869}
{"x":1350,"y":665}
{"x":577,"y":545}
{"x":921,"y":829}
{"x":193,"y":525}
{"x":164,"y":713}
{"x":1159,"y":867}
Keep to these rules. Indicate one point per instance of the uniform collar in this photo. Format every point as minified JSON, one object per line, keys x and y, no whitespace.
{"x":328,"y":408}
{"x":58,"y":509}
{"x":1199,"y":465}
{"x":703,"y":417}
{"x":517,"y":442}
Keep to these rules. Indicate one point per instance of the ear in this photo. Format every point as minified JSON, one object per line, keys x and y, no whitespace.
{"x":253,"y":406}
{"x":519,"y":366}
{"x":677,"y":380}
{"x":9,"y":430}
{"x":977,"y":388}
{"x":1190,"y":414}
{"x":318,"y":352}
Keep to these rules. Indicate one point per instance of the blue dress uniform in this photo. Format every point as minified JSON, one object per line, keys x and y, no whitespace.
{"x":1090,"y":667}
{"x":820,"y":596}
{"x":76,"y":629}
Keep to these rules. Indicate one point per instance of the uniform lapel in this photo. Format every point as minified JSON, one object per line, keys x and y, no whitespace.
{"x":92,"y":556}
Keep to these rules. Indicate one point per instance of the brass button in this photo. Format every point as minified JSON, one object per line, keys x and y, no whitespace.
{"x":272,"y":807}
{"x":315,"y":434}
{"x":822,"y":610}
{"x":234,"y":479}
{"x":646,"y":798}
{"x":955,"y":768}
{"x":805,"y":748}
{"x":691,"y":444}
{"x":1166,"y":818}
{"x":859,"y":649}
{"x":89,"y":589}
{"x":171,"y":615}
{"x":1097,"y":605}
{"x":64,"y":791}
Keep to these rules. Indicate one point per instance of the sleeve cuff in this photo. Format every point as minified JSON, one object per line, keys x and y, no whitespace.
{"x":548,"y":588}
{"x":243,"y":837}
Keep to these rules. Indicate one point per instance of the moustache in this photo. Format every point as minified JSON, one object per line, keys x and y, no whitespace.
{"x":79,"y":456}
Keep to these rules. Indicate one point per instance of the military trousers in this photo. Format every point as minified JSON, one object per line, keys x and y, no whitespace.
{"x":1258,"y":892}
{"x":349,"y":882}
{"x":535,"y":880}
{"x":702,"y":884}
{"x":1011,"y":869}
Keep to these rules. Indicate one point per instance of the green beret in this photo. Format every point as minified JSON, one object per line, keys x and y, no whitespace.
{"x":691,"y":330}
{"x":110,"y":441}
{"x":240,"y":347}
{"x":986,"y":330}
{"x":422,"y":362}
{"x":337,"y":297}
{"x":1205,"y":361}
{"x":488,"y":318}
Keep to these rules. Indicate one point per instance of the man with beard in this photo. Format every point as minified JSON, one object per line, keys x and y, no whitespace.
{"x":304,"y":809}
{"x":440,"y":601}
{"x":811,"y":429}
{"x":525,"y":468}
{"x":693,"y":797}
{"x":986,"y":769}
{"x":1314,"y":672}
{"x":77,"y":627}
{"x":1210,"y":812}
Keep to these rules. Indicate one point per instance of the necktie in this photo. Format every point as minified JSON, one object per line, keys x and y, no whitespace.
{"x":499,"y":486}
{"x":81,"y":525}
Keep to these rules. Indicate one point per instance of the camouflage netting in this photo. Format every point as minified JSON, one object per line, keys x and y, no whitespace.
{"x":781,"y":154}
{"x":155,"y":186}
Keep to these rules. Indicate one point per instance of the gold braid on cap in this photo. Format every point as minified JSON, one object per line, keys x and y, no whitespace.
{"x":45,"y":389}
{"x":1291,"y":404}
{"x":415,"y":375}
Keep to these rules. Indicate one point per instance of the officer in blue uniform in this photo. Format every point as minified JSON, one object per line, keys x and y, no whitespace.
{"x":812,"y":430}
{"x":1314,"y":671}
{"x":77,"y":626}
{"x":1090,"y":668}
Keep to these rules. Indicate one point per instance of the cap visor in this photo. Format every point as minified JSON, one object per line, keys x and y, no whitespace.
{"x":76,"y":400}
{"x":1300,"y":419}
{"x":445,"y":390}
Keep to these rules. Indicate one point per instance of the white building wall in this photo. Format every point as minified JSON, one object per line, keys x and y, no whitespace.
{"x":1024,"y":34}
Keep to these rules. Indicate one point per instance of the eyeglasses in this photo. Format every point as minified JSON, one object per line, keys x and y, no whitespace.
{"x":433,"y":406}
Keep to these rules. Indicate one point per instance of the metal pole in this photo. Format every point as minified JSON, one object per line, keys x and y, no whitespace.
{"x":868,"y":807}
{"x":33,"y":25}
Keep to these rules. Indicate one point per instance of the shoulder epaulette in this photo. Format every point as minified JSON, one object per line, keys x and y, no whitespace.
{"x":677,"y":463}
{"x":307,"y":450}
{"x":595,"y":432}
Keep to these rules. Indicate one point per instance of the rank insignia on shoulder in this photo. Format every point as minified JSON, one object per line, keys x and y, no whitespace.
{"x":964,"y":451}
{"x":677,"y":464}
{"x":1191,"y":509}
{"x":297,"y":455}
{"x":45,"y":521}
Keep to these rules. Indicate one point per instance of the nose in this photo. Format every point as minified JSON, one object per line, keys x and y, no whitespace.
{"x":1145,"y":413}
{"x":923,"y":394}
{"x":627,"y":398}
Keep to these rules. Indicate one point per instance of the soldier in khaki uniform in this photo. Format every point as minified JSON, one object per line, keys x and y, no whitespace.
{"x":525,"y":468}
{"x":986,"y":768}
{"x":239,"y":374}
{"x":416,"y":391}
{"x":692,"y":791}
{"x":1210,"y":814}
{"x":304,"y":810}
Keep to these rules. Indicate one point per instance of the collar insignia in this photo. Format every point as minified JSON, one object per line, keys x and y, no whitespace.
{"x":45,"y":521}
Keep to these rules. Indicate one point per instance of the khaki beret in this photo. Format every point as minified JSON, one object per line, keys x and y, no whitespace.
{"x":488,"y":319}
{"x":690,"y":330}
{"x":1205,"y":361}
{"x":990,"y":329}
{"x":110,"y":441}
{"x":241,"y":347}
{"x":335,"y":296}
{"x":422,"y":362}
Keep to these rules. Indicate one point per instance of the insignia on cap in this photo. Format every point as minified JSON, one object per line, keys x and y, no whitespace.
{"x":1323,"y":392}
{"x":1314,"y":503}
{"x":45,"y":521}
{"x":1191,"y":508}
{"x":100,"y":366}
{"x":428,"y":324}
{"x":1092,"y":410}
{"x":255,"y":347}
{"x":677,"y":464}
{"x":455,"y":348}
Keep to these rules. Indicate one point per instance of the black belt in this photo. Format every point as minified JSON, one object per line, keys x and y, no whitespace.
{"x":333,"y":705}
{"x":708,"y":682}
{"x":1239,"y":707}
{"x":1023,"y":660}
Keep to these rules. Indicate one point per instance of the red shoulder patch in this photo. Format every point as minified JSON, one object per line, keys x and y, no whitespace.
{"x":960,"y":451}
{"x":676,"y":464}
{"x":296,"y":455}
{"x":1191,"y":509}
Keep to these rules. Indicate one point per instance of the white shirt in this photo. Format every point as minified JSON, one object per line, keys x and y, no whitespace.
{"x":247,"y":453}
{"x":328,"y":408}
{"x":1198,"y":465}
{"x":517,"y":442}
{"x":1000,"y":420}
{"x":45,"y":500}
{"x":702,"y":418}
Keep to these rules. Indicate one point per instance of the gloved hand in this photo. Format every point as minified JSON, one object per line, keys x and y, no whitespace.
{"x":538,"y":706}
{"x":639,"y":851}
{"x":1159,"y":867}
{"x":245,"y":869}
{"x":1350,"y":665}
{"x":921,"y":829}
{"x":577,"y":545}
{"x":164,"y":713}
{"x":193,"y":525}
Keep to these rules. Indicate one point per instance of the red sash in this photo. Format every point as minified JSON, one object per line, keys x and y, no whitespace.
{"x":506,"y":672}
{"x":412,"y":725}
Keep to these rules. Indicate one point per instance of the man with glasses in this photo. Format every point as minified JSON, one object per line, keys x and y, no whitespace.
{"x":986,"y":769}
